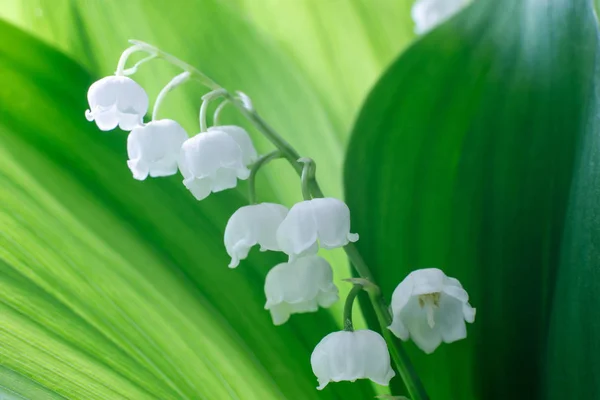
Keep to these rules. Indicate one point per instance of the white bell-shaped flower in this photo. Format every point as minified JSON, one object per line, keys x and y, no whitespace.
{"x":154,"y":148}
{"x":430,"y":308}
{"x":348,"y":356}
{"x":213,"y":161}
{"x":241,"y":137}
{"x":299,"y":287}
{"x":326,"y":221}
{"x":252,"y":225}
{"x":428,"y":14}
{"x":116,"y":101}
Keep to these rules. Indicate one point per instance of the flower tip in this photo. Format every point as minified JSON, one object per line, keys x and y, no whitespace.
{"x":89,"y":115}
{"x":234,"y":263}
{"x":139,"y":173}
{"x":353,"y":237}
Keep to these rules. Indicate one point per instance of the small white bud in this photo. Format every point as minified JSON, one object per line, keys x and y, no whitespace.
{"x":116,"y":101}
{"x":299,"y":287}
{"x":324,"y":220}
{"x":348,"y":356}
{"x":214,"y":160}
{"x":428,"y":14}
{"x":252,"y":225}
{"x":154,"y":148}
{"x":430,"y":308}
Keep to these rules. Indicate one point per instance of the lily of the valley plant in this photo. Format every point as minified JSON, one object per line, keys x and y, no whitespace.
{"x":427,"y":307}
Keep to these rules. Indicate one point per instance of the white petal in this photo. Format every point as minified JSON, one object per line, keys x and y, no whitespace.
{"x":200,"y":187}
{"x":333,"y":222}
{"x":251,"y":225}
{"x":211,"y":161}
{"x":430,"y":307}
{"x":427,"y":280}
{"x":139,"y":168}
{"x":117,"y":100}
{"x":204,"y":154}
{"x":154,"y":148}
{"x":324,"y":220}
{"x":469,"y":313}
{"x":131,"y":97}
{"x":348,"y":356}
{"x":106,"y":119}
{"x":451,"y":319}
{"x":375,"y":356}
{"x":298,"y":231}
{"x":223,"y":179}
{"x":415,"y":319}
{"x":300,"y":287}
{"x":402,"y":295}
{"x":243,"y":140}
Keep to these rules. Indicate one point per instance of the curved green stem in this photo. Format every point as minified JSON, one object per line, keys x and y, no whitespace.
{"x":199,"y":76}
{"x":217,"y":114}
{"x":307,"y":176}
{"x":206,"y":99}
{"x":275,"y":154}
{"x":356,"y":289}
{"x":176,"y":81}
{"x":125,"y":56}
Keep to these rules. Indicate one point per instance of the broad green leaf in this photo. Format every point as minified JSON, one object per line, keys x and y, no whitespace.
{"x":210,"y":337}
{"x":466,"y":157}
{"x":116,"y":289}
{"x":307,"y":64}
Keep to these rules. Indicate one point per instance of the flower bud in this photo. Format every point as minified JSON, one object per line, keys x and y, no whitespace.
{"x":348,"y":356}
{"x":299,"y":287}
{"x":324,"y":220}
{"x":214,"y":160}
{"x":154,"y":148}
{"x":430,"y":308}
{"x":251,"y":225}
{"x":116,"y":100}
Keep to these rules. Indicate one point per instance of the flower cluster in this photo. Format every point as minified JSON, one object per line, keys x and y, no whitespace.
{"x":427,"y":306}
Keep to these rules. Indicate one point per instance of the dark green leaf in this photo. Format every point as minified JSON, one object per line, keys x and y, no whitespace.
{"x":463,"y":158}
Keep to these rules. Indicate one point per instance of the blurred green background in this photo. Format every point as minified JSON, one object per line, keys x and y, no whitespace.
{"x":473,"y":149}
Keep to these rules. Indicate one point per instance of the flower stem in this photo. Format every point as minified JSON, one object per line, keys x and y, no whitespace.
{"x":308,"y":175}
{"x":206,"y":99}
{"x":356,"y":289}
{"x":176,"y":81}
{"x":401,"y":360}
{"x":407,"y":372}
{"x":217,"y":114}
{"x":275,"y":154}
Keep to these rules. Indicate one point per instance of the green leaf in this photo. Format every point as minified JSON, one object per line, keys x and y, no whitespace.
{"x":113,"y":288}
{"x":477,"y":153}
{"x":307,"y":64}
{"x":117,"y":289}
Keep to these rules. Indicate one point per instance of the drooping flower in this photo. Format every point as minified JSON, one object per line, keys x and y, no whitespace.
{"x":430,"y":308}
{"x":214,"y":160}
{"x":154,"y":148}
{"x":324,"y":220}
{"x":427,"y":14}
{"x":299,"y":287}
{"x":243,"y":140}
{"x":116,"y":101}
{"x":348,"y":356}
{"x":251,"y":225}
